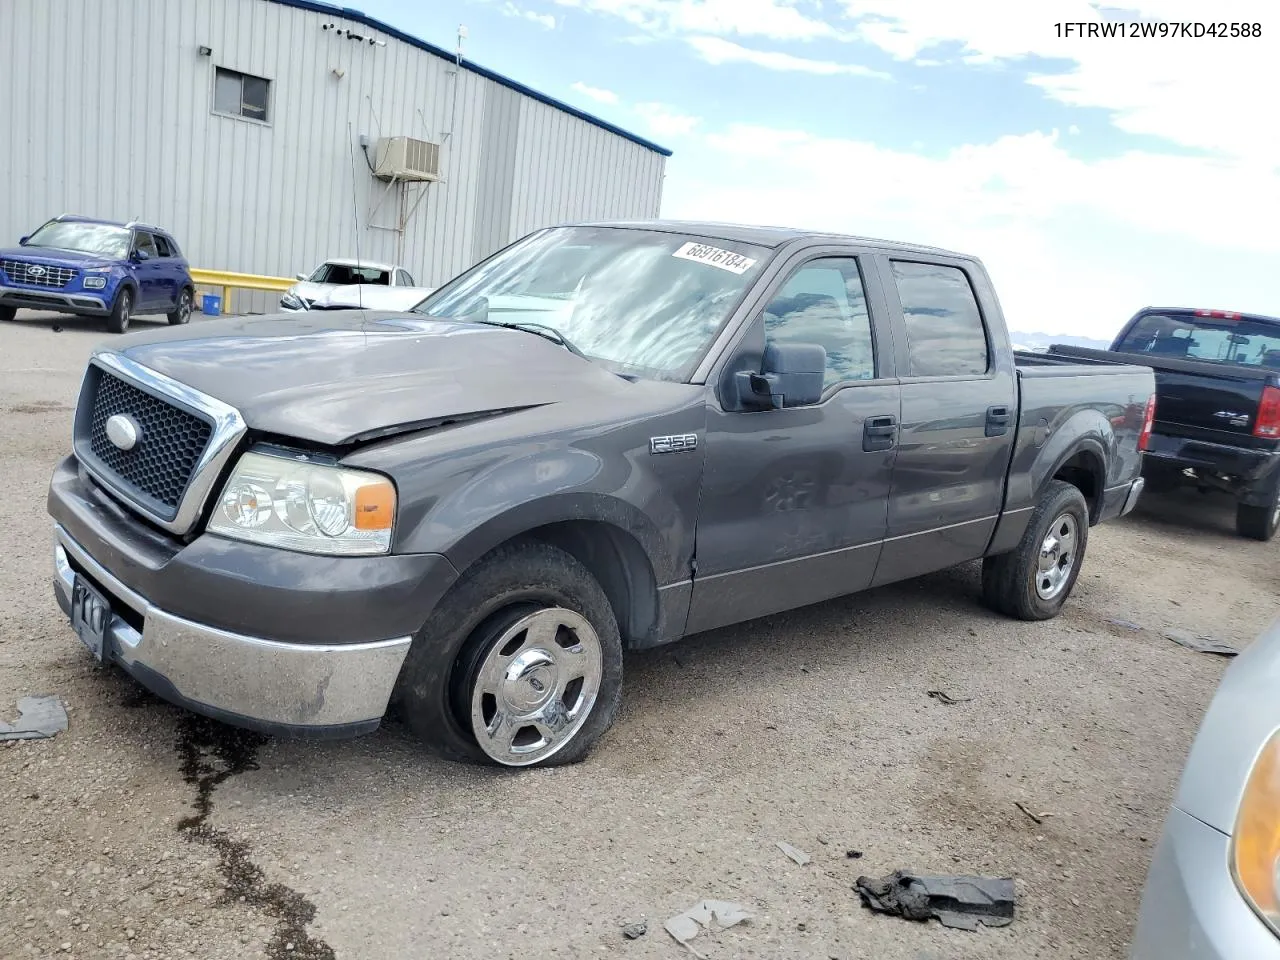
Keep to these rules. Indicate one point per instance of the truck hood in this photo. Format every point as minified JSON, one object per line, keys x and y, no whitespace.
{"x":338,"y":377}
{"x":50,"y":255}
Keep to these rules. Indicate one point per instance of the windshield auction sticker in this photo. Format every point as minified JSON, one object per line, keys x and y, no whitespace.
{"x":715,"y":257}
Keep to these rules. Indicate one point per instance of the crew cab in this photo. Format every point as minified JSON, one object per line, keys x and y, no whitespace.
{"x":1217,"y":401}
{"x":97,"y":268}
{"x":466,"y":512}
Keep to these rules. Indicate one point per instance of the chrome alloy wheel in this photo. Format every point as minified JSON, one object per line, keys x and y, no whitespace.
{"x":1057,"y":557}
{"x":536,"y":686}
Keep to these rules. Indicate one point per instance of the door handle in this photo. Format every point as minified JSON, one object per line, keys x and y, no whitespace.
{"x":879,"y":433}
{"x":998,"y":421}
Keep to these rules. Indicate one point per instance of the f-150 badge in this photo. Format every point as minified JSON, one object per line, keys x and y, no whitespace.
{"x":677,"y":443}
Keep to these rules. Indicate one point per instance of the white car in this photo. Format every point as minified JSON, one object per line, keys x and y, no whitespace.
{"x":370,"y":296}
{"x":337,"y":273}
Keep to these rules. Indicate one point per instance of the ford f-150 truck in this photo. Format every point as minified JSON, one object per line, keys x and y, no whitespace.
{"x":1218,"y":404}
{"x":467,"y":512}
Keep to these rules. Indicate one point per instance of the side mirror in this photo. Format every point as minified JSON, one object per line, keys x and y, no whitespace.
{"x":140,"y":255}
{"x":791,"y":376}
{"x":300,"y":276}
{"x":23,"y":242}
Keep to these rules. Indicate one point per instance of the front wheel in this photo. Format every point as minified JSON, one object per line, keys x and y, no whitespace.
{"x":1033,"y":581}
{"x":1258,"y":523}
{"x":520,"y":665}
{"x":121,"y":312}
{"x":182,"y":311}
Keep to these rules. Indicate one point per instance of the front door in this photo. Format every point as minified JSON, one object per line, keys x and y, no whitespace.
{"x":959,"y":416}
{"x":794,"y":499}
{"x":149,"y":271}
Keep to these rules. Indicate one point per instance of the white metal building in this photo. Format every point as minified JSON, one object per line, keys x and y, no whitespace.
{"x":238,"y":125}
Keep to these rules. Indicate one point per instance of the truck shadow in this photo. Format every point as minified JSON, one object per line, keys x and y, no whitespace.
{"x":1187,"y":510}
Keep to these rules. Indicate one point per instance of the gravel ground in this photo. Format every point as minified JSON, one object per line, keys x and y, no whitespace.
{"x":142,"y":831}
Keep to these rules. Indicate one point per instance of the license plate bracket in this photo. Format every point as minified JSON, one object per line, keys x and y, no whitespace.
{"x":90,"y":617}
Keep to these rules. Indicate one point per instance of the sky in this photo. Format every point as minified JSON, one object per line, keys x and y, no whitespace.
{"x":1093,"y":175}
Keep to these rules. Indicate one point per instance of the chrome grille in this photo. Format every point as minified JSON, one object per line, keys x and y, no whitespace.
{"x":37,"y":274}
{"x":170,"y":441}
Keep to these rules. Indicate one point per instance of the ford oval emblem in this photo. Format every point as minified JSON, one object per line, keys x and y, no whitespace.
{"x":122,"y":430}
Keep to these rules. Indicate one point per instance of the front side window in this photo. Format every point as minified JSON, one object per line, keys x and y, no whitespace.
{"x":101,"y":239}
{"x":945,"y":333}
{"x":241,"y":95}
{"x":1217,"y":340}
{"x":147,"y":244}
{"x":641,"y":302}
{"x":824,"y":302}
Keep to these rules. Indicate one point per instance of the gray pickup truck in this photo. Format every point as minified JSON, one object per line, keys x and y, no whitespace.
{"x":605,"y":436}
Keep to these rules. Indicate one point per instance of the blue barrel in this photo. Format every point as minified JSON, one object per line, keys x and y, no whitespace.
{"x":212,"y":305}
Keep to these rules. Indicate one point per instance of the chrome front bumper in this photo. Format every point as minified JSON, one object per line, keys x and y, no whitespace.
{"x":290,"y":688}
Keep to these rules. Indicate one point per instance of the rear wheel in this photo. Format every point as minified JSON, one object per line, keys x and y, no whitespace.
{"x":182,"y":311}
{"x":7,"y":314}
{"x":520,"y":664}
{"x":1258,"y":523}
{"x":121,"y":312}
{"x":1033,"y":581}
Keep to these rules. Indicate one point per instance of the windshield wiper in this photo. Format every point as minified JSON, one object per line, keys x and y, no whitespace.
{"x":539,"y":329}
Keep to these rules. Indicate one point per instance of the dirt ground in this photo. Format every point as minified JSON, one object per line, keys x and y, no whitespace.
{"x":141,"y":831}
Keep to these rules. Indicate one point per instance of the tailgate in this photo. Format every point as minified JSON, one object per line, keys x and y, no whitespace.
{"x":1219,"y":401}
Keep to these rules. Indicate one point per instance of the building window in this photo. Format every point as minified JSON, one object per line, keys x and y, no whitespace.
{"x":241,"y":95}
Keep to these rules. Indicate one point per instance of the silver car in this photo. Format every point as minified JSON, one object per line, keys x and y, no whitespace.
{"x":1213,"y":890}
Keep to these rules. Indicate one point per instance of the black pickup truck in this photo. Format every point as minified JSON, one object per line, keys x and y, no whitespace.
{"x":604,"y":436}
{"x":1217,"y":404}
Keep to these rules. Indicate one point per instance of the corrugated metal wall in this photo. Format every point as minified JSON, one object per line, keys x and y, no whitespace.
{"x":109,"y":114}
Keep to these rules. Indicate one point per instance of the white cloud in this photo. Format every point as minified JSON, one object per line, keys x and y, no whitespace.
{"x":1071,"y":245}
{"x":545,"y":20}
{"x":716,"y":50}
{"x":776,"y":19}
{"x":665,"y":121}
{"x":1193,"y":91}
{"x":598,"y":94}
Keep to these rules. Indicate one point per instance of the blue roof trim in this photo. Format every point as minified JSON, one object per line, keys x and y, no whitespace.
{"x":348,"y":13}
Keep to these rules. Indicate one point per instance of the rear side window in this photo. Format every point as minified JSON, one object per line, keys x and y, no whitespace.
{"x":1188,"y":337}
{"x":945,"y":333}
{"x":404,"y":279}
{"x":162,"y":245}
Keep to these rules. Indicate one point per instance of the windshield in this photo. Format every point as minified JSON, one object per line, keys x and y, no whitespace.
{"x":643,"y":302}
{"x":344,"y":274}
{"x":100,"y":239}
{"x":1243,"y":342}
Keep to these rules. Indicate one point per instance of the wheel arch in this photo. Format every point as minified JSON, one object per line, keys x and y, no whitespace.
{"x":611,"y":539}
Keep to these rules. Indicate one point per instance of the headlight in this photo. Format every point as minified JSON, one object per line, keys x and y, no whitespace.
{"x":310,"y":507}
{"x":1255,"y":842}
{"x":95,"y":282}
{"x":292,"y":302}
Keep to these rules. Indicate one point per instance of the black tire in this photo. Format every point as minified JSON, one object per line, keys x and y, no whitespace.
{"x":7,"y":314}
{"x":1009,"y":581}
{"x":182,"y":311}
{"x":434,"y":692}
{"x":1257,"y":523}
{"x":121,"y":312}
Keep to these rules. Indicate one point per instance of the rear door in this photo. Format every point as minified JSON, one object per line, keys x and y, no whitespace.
{"x":959,"y":411}
{"x":793,"y":501}
{"x":1210,"y":370}
{"x":172,"y":273}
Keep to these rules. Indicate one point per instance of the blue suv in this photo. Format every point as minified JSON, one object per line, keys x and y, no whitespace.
{"x":97,"y":268}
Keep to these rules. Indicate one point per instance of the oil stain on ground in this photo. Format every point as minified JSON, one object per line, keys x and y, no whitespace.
{"x":211,"y":753}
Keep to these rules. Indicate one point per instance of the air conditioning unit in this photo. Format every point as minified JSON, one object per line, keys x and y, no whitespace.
{"x":404,"y":158}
